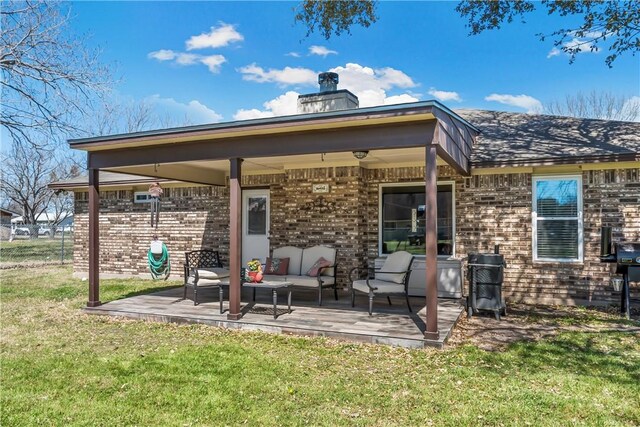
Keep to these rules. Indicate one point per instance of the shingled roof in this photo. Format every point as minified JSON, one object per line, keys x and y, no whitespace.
{"x":518,"y":139}
{"x":507,"y":139}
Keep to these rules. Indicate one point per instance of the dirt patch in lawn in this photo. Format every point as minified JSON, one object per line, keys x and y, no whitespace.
{"x":532,"y":323}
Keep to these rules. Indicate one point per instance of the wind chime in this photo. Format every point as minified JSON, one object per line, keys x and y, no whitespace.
{"x":158,"y":255}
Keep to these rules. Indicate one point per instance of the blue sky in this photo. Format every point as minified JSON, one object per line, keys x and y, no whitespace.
{"x":220,"y":61}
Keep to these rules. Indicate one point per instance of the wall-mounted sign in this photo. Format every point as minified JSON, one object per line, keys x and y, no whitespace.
{"x":320,"y":188}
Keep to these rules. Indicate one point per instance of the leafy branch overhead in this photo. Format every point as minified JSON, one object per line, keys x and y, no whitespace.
{"x":592,"y":25}
{"x":335,"y":17}
{"x":615,"y":21}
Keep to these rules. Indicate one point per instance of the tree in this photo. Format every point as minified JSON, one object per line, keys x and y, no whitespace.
{"x":49,"y":77}
{"x":115,"y":116}
{"x":614,"y":22}
{"x":596,"y":105}
{"x":24,"y":180}
{"x":335,"y":17}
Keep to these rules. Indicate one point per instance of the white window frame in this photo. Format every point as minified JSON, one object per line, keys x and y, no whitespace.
{"x":140,"y":193}
{"x":418,"y":184}
{"x":534,"y":218}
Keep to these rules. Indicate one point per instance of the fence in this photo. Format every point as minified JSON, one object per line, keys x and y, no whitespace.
{"x":31,"y":244}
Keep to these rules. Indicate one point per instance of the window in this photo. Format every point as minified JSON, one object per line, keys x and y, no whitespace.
{"x":557,"y":218}
{"x":402,"y":217}
{"x":141,"y":197}
{"x":257,"y":215}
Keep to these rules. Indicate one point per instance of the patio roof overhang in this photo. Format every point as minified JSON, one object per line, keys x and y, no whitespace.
{"x":378,"y":128}
{"x":191,"y":154}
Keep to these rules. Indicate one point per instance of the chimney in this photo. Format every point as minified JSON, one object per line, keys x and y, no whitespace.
{"x":329,"y":98}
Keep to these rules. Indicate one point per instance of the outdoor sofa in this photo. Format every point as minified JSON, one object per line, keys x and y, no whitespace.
{"x":301,"y":264}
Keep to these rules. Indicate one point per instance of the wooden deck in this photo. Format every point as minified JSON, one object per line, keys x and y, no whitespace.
{"x":392,"y":325}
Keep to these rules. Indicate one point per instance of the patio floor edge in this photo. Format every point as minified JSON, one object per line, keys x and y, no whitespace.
{"x":285,"y":329}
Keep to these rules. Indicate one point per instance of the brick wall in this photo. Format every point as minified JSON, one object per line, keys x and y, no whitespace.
{"x":490,"y":209}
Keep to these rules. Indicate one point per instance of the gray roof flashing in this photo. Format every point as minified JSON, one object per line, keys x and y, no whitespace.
{"x":329,"y":92}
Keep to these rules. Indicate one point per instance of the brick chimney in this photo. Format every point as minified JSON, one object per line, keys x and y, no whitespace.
{"x":329,"y":98}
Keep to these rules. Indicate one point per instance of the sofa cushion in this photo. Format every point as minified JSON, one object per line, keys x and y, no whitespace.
{"x":212,"y":273}
{"x":275,"y":278}
{"x":295,"y":258}
{"x":382,"y":287}
{"x":311,"y":255}
{"x":317,"y":266}
{"x":203,"y":282}
{"x":397,"y":261}
{"x":277,"y":266}
{"x":301,"y":281}
{"x":310,"y":282}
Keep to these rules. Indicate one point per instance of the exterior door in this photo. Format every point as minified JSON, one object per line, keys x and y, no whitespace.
{"x":255,"y":225}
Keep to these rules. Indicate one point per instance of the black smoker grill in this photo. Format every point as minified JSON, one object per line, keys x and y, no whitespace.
{"x":485,"y":272}
{"x":627,"y":259}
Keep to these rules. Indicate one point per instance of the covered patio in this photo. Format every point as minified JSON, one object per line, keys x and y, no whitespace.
{"x":424,"y":134}
{"x":390,"y":324}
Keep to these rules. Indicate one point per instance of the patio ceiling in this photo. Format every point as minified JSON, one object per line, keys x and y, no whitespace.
{"x":215,"y":172}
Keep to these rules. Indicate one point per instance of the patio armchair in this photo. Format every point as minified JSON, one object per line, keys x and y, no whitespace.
{"x":197,"y":273}
{"x":391,"y":280}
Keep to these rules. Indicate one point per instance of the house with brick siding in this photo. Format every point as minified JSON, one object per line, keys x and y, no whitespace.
{"x":365,"y":180}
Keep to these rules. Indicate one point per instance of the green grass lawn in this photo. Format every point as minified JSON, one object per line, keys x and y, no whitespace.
{"x":41,"y":249}
{"x":62,"y":367}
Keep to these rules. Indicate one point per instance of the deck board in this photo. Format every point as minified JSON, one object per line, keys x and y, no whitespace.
{"x":392,"y":325}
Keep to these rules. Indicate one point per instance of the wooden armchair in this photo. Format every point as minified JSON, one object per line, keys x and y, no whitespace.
{"x":391,"y":280}
{"x":198,"y":270}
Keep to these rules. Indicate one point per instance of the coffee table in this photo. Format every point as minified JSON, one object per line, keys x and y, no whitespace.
{"x":273,"y":285}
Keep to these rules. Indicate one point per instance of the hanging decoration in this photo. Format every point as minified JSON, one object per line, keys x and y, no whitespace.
{"x":155,"y":191}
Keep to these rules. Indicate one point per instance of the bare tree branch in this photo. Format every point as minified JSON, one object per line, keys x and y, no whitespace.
{"x":596,"y":105}
{"x":49,"y":77}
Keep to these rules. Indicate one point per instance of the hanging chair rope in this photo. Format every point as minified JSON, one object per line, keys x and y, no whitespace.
{"x":159,"y":265}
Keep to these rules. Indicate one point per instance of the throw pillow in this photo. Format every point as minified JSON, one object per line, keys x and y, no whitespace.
{"x":277,"y":266}
{"x":315,"y":268}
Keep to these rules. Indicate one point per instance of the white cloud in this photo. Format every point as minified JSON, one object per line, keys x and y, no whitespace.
{"x":213,"y":62}
{"x":580,"y":44}
{"x":194,"y":111}
{"x":444,"y":95}
{"x":321,"y":51}
{"x":368,"y":84}
{"x":253,"y":113}
{"x":358,"y":78}
{"x":554,"y":52}
{"x":220,"y":36}
{"x":284,"y":105}
{"x":526,"y":102}
{"x":400,"y":99}
{"x":371,"y":85}
{"x":390,"y":77}
{"x":187,"y":58}
{"x":162,"y":55}
{"x":284,"y":77}
{"x":293,"y":54}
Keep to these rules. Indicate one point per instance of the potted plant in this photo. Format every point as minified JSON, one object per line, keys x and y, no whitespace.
{"x":254,"y":271}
